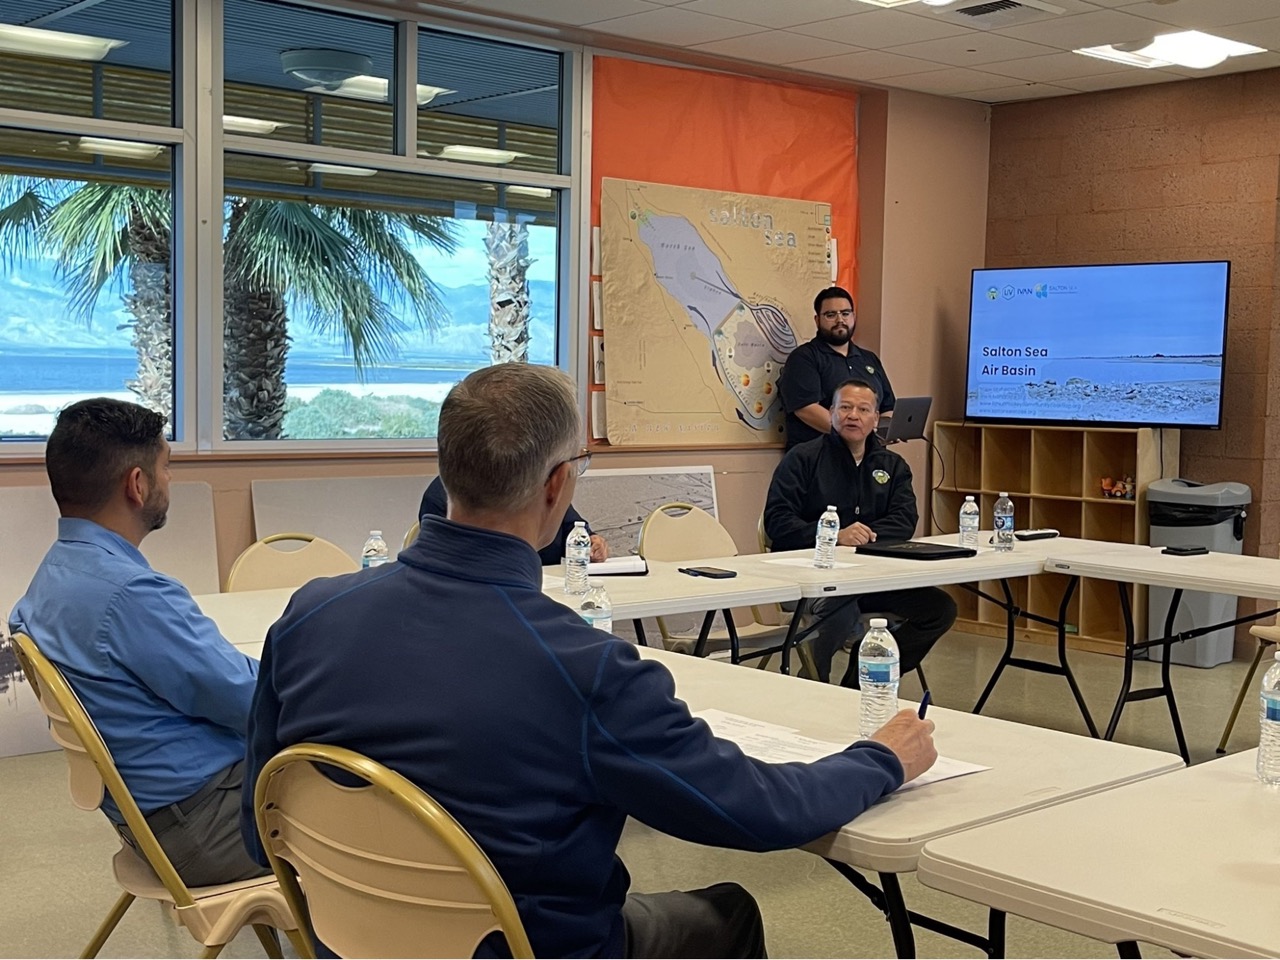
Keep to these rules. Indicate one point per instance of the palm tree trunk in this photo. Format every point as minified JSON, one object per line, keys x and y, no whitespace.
{"x":151,"y":304}
{"x":255,"y":345}
{"x":507,"y":245}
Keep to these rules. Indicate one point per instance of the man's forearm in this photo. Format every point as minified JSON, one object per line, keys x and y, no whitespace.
{"x":816,"y":416}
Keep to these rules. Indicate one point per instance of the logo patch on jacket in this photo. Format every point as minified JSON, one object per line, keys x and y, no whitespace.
{"x":880,"y":476}
{"x":871,"y":370}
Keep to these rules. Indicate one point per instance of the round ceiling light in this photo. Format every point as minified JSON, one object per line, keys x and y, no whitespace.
{"x":325,"y":68}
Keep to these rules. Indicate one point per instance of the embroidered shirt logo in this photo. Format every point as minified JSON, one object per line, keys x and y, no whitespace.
{"x":879,"y":476}
{"x":871,"y":370}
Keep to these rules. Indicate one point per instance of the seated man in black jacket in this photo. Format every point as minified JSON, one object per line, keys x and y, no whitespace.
{"x":871,"y":488}
{"x":435,"y":503}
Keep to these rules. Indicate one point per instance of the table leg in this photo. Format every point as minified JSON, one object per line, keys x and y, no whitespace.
{"x":640,"y":637}
{"x":700,"y":648}
{"x":1166,"y":681}
{"x":1007,"y":657}
{"x":802,"y":607}
{"x":895,"y":908}
{"x":1128,"y":950}
{"x":735,"y":653}
{"x":1126,"y":680}
{"x":1062,"y":658}
{"x":995,"y":933}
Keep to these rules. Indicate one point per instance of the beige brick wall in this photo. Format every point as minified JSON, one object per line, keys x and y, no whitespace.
{"x":1171,"y":171}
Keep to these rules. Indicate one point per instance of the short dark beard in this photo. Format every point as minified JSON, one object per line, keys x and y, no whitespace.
{"x":833,"y":338}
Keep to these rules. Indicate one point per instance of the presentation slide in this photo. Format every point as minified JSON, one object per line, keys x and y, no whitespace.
{"x":1133,"y":343}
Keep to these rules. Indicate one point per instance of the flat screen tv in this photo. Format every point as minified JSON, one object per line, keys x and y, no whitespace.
{"x":1136,"y":344}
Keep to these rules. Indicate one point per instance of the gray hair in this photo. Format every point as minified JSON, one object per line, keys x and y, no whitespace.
{"x":502,"y":431}
{"x":855,"y":382}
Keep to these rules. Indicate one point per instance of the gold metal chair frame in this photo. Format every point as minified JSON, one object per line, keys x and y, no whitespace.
{"x":213,"y":915}
{"x":274,"y":821}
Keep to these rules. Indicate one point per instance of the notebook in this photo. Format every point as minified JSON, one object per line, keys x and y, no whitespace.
{"x":916,"y":550}
{"x":907,"y":422}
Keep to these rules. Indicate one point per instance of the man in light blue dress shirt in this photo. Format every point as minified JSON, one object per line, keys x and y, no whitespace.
{"x":168,"y":693}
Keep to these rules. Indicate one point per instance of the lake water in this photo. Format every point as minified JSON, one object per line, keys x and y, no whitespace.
{"x":87,"y":373}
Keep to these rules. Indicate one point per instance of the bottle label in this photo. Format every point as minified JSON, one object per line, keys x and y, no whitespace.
{"x":878,"y":672}
{"x":1271,"y":707}
{"x":1004,"y":524}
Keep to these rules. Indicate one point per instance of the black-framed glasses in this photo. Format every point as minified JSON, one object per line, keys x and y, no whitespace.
{"x":583,"y":460}
{"x":834,"y":314}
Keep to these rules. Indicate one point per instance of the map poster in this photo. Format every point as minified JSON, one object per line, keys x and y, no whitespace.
{"x":705,"y":293}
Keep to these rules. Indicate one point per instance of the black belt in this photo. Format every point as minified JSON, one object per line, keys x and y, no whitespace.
{"x":166,"y":817}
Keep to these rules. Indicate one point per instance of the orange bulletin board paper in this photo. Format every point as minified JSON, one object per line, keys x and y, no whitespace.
{"x":694,"y":128}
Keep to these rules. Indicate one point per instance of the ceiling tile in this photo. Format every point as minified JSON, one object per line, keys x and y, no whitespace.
{"x":676,"y":27}
{"x":1261,"y":33}
{"x":949,"y":81}
{"x":772,"y":13}
{"x":1025,"y":91}
{"x":881,"y":28}
{"x":1204,"y":14}
{"x":1113,"y":81}
{"x":1051,"y":68}
{"x":868,"y":65}
{"x":775,"y":46}
{"x":1085,"y":29}
{"x":573,"y":12}
{"x":973,"y":49}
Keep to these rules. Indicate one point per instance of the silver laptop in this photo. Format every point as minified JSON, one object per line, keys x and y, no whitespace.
{"x":906,"y":421}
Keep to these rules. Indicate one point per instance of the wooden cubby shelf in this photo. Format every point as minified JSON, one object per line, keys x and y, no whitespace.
{"x":1053,"y":475}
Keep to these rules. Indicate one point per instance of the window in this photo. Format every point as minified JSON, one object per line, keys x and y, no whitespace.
{"x":387,"y":226}
{"x":355,"y":298}
{"x":86,"y":300}
{"x":111,"y":59}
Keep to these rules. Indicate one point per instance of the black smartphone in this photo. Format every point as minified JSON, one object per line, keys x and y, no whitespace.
{"x":715,"y":573}
{"x":1186,"y":550}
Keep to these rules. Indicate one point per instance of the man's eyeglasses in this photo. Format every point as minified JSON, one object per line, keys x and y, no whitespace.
{"x":583,"y":460}
{"x":834,"y":314}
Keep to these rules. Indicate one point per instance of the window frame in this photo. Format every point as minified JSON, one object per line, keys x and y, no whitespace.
{"x":199,"y":146}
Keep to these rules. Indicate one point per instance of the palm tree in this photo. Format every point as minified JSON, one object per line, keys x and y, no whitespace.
{"x":351,"y":268}
{"x":507,"y":245}
{"x":97,"y":230}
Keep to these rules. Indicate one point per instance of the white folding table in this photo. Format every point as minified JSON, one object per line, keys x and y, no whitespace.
{"x":1189,"y":861}
{"x":1031,"y":768}
{"x":1233,"y":574}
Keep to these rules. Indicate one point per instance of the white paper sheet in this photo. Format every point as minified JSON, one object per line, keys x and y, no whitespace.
{"x":806,"y":562}
{"x":777,"y":744}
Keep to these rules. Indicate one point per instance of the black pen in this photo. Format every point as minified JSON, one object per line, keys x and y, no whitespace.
{"x":924,"y":704}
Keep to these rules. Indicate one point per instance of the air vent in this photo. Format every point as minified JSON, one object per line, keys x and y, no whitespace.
{"x":1000,"y":13}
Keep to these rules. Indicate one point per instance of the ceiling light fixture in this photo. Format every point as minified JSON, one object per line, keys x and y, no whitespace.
{"x":889,"y":3}
{"x":325,"y":68}
{"x":1188,"y":48}
{"x":119,"y":148}
{"x":260,"y":128}
{"x":541,"y":193}
{"x":469,"y":154}
{"x":365,"y":87}
{"x":340,"y":170}
{"x":35,"y":42}
{"x":938,"y":3}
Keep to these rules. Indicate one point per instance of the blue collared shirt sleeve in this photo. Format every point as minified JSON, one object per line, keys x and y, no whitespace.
{"x":177,"y":652}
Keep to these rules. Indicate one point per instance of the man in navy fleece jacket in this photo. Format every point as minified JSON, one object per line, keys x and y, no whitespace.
{"x":537,"y":732}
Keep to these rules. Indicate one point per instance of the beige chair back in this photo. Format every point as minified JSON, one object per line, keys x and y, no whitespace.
{"x":265,"y":567}
{"x":387,"y":871}
{"x":213,"y":915}
{"x":412,"y":535}
{"x":680,"y":531}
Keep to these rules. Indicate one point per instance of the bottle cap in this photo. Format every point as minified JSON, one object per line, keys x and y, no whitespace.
{"x":832,"y":508}
{"x":579,"y":523}
{"x":968,"y":499}
{"x":1003,"y":494}
{"x":375,"y":533}
{"x":880,"y":622}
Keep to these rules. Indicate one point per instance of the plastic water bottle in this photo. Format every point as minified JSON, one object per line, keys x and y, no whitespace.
{"x":375,"y":552}
{"x":577,"y":554}
{"x":877,"y":678}
{"x":1269,"y":726}
{"x":824,"y":549}
{"x":1003,"y":517}
{"x":596,"y":607}
{"x":970,"y":520}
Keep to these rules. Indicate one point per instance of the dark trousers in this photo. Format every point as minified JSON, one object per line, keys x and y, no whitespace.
{"x":917,"y":618}
{"x":201,"y":835}
{"x":718,"y":921}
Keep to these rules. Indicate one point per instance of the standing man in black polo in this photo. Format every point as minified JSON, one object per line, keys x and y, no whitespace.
{"x":815,"y":369}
